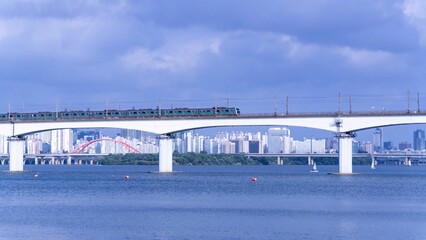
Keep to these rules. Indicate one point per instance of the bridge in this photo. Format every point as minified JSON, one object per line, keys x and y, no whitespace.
{"x":57,"y":158}
{"x":406,"y":158}
{"x":344,"y":125}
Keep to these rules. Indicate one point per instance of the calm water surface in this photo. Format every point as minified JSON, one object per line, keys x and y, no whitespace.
{"x":213,"y":202}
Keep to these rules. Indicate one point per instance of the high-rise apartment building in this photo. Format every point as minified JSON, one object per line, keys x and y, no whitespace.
{"x":61,"y":140}
{"x":377,"y":140}
{"x":419,"y":140}
{"x":279,"y":140}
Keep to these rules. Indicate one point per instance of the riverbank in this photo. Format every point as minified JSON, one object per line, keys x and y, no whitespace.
{"x":218,"y":159}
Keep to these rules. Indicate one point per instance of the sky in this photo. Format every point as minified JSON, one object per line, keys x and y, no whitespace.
{"x":252,"y":54}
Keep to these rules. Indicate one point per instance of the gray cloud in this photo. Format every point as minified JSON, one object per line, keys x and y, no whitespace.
{"x":144,"y":51}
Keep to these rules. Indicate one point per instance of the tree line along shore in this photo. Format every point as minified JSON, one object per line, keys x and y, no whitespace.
{"x":218,"y":159}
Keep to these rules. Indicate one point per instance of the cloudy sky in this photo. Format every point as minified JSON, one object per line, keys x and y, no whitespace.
{"x":81,"y":53}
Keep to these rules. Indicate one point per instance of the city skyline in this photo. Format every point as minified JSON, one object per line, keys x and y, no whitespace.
{"x":274,"y":140}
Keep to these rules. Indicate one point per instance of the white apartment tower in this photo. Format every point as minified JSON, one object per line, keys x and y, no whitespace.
{"x":61,"y":141}
{"x":279,"y":140}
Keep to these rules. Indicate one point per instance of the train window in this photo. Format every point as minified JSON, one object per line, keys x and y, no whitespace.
{"x":152,"y":112}
{"x":18,"y":115}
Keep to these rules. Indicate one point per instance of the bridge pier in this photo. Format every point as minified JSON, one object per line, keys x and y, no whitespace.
{"x":166,"y":154}
{"x":280,"y":161}
{"x":16,"y":152}
{"x":407,"y":161}
{"x":345,"y":152}
{"x":373,"y":162}
{"x":35,"y":160}
{"x":310,"y":161}
{"x":69,"y":160}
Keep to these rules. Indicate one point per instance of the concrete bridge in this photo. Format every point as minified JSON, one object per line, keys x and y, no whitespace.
{"x":56,"y":159}
{"x":344,"y":125}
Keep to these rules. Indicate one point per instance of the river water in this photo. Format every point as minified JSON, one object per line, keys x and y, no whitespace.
{"x":213,"y":202}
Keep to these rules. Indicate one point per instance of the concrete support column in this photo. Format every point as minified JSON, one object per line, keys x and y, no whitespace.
{"x":373,"y":162}
{"x":407,"y":161}
{"x":166,"y":154}
{"x":345,"y":152}
{"x":69,"y":160}
{"x":35,"y":160}
{"x":310,"y":161}
{"x":16,"y":152}
{"x":280,"y":161}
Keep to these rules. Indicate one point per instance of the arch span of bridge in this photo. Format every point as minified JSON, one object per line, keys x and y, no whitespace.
{"x":81,"y":148}
{"x":344,"y":125}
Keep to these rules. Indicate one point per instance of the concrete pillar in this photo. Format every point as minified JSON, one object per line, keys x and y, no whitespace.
{"x":69,"y":160}
{"x":36,"y":160}
{"x":166,"y":154}
{"x":310,"y":161}
{"x":91,"y":161}
{"x":373,"y":162}
{"x":407,"y":161}
{"x":345,"y":152}
{"x":16,"y":152}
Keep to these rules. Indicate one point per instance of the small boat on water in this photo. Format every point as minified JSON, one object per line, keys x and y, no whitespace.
{"x":314,"y":168}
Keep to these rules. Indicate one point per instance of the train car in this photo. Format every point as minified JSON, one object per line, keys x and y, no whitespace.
{"x":43,"y":116}
{"x":214,"y":111}
{"x":4,"y":117}
{"x":143,"y":113}
{"x":116,"y":113}
{"x":227,"y":111}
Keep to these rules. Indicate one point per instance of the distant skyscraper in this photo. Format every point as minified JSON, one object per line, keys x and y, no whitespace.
{"x":61,"y":140}
{"x":279,"y":140}
{"x":387,"y":145}
{"x":88,"y":135}
{"x":419,"y":139}
{"x":377,"y":140}
{"x":404,"y":145}
{"x":131,"y":134}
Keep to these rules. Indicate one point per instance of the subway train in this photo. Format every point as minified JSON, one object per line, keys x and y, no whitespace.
{"x":119,"y":114}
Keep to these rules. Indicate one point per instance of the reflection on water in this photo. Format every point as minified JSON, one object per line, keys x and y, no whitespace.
{"x":213,"y":202}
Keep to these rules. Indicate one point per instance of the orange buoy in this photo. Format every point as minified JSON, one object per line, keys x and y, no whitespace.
{"x":254,"y":179}
{"x":126,"y":177}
